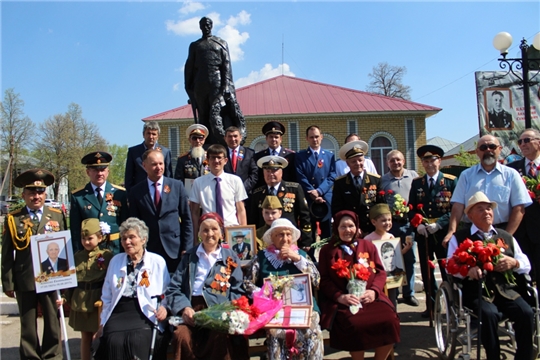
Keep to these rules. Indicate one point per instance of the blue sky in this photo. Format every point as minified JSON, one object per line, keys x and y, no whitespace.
{"x":123,"y":61}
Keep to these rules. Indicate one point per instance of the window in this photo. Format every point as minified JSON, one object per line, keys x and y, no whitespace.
{"x":259,"y":143}
{"x":330,"y":143}
{"x":352,"y":127}
{"x":380,"y":147}
{"x":294,"y":140}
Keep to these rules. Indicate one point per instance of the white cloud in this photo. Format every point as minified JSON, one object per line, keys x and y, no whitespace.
{"x":235,"y":39}
{"x":189,"y":7}
{"x":266,"y":72}
{"x":176,"y":87}
{"x":184,"y":27}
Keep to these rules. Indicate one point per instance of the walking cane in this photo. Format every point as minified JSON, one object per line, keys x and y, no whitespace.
{"x":63,"y":323}
{"x":428,"y":296}
{"x":479,"y":340}
{"x":156,"y":326}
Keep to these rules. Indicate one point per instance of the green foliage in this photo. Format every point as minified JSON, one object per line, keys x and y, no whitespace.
{"x":466,"y":159}
{"x":117,"y":168}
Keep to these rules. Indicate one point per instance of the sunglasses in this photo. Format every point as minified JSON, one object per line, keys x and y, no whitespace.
{"x":526,"y":140}
{"x":484,"y":147}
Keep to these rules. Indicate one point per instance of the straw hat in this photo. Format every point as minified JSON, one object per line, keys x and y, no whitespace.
{"x":478,"y":197}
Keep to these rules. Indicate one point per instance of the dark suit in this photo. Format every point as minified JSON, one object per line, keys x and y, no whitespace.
{"x":170,"y":226}
{"x":500,"y":120}
{"x":436,"y":208}
{"x":246,"y":249}
{"x":18,"y":276}
{"x":135,"y":172}
{"x":113,"y":211}
{"x":46,"y":266}
{"x":313,"y":174}
{"x":295,"y":208}
{"x":527,"y":234}
{"x":348,"y":197}
{"x":246,"y":167}
{"x":190,"y":168}
{"x":289,"y":173}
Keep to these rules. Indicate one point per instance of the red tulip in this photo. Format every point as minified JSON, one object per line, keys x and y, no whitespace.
{"x":464,"y":270}
{"x":417,"y":220}
{"x":488,"y":266}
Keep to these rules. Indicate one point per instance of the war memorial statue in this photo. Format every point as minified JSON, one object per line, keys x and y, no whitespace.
{"x":210,"y":87}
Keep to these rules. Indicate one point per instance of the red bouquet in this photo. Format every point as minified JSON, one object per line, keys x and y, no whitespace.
{"x":356,"y":271}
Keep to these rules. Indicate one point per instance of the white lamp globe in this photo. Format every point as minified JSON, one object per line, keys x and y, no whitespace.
{"x":502,"y":42}
{"x":536,"y":41}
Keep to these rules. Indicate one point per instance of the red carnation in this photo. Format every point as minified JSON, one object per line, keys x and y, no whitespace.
{"x":390,"y":192}
{"x":417,"y":220}
{"x":381,"y":193}
{"x":410,"y":207}
{"x":420,"y":206}
{"x":431,"y":264}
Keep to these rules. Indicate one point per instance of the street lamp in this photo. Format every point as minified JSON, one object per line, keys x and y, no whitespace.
{"x":502,"y":42}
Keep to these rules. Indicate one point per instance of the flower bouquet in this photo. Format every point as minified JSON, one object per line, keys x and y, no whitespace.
{"x":397,"y":204}
{"x":357,"y":274}
{"x":533,"y":186}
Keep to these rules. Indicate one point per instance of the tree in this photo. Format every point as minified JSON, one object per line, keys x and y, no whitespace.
{"x":17,"y":130}
{"x":387,"y":80}
{"x":465,"y":158}
{"x":64,"y":140}
{"x":117,"y":168}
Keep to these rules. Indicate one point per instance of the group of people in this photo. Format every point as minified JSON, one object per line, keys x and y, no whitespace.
{"x":166,"y":235}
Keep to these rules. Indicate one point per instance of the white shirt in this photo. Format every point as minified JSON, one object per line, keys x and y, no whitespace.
{"x":232,"y":191}
{"x":38,"y":212}
{"x":152,"y":188}
{"x":277,"y":150}
{"x":102,"y":187}
{"x":206,"y":262}
{"x":342,"y":168}
{"x":536,"y":164}
{"x":524,"y":263}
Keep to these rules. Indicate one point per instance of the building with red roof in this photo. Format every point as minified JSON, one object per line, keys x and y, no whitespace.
{"x":385,"y":123}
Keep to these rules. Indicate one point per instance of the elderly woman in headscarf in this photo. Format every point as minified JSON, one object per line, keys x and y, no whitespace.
{"x":133,"y":282}
{"x":208,"y":274}
{"x":283,"y":257}
{"x":376,"y":324}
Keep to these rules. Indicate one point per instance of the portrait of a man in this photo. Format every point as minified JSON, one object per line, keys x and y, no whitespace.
{"x":498,"y":117}
{"x":242,"y":248}
{"x":54,"y":262}
{"x":391,"y":258}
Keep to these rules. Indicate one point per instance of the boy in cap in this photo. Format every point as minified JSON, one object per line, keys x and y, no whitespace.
{"x":17,"y":266}
{"x":98,"y":199}
{"x":271,"y":210}
{"x":193,"y":164}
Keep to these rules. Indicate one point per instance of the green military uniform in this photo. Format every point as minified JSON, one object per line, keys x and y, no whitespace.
{"x":18,"y":271}
{"x":85,"y":205}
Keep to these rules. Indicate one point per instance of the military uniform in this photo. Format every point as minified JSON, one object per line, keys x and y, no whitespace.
{"x":348,"y":197}
{"x":289,"y":173}
{"x":18,"y":276}
{"x":188,"y":167}
{"x":294,"y":204}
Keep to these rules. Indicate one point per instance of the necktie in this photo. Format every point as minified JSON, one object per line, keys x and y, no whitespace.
{"x":157,"y":195}
{"x":99,"y":196}
{"x":357,"y":182}
{"x":219,"y":199}
{"x":316,"y":155}
{"x":234,"y":160}
{"x":431,"y":183}
{"x":274,"y":152}
{"x":532,"y":169}
{"x":35,"y":217}
{"x":272,"y":191}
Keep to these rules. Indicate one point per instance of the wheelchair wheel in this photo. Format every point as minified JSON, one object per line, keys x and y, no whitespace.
{"x":445,"y":322}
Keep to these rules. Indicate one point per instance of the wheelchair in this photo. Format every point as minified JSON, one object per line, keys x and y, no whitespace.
{"x":456,"y":325}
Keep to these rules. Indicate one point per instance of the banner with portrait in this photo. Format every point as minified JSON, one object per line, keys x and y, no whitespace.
{"x":501,"y":109}
{"x":53,"y":262}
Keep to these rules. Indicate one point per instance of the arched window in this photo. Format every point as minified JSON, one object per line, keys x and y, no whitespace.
{"x":380,"y":146}
{"x":259,"y":143}
{"x":330,"y":143}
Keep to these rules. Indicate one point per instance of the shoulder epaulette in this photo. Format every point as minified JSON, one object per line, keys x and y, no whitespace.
{"x":77,"y":190}
{"x":290,"y":150}
{"x":259,"y":189}
{"x":416,"y":178}
{"x":291,"y":184}
{"x":15,"y":212}
{"x":118,"y":187}
{"x":55,"y":210}
{"x":449,"y":176}
{"x":340,"y":177}
{"x":374,"y":175}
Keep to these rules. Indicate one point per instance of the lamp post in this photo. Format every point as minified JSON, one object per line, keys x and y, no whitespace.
{"x":502,"y":42}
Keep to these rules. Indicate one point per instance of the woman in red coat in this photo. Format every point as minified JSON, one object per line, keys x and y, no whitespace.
{"x":376,"y":324}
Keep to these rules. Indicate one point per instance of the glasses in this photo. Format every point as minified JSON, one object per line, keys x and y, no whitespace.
{"x":526,"y":140}
{"x":216,"y":158}
{"x":484,"y":147}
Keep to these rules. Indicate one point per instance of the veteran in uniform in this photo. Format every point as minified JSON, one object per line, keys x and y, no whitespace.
{"x":17,"y":267}
{"x":193,"y":164}
{"x":430,"y":197}
{"x":357,"y":190}
{"x":289,"y":193}
{"x":98,"y":199}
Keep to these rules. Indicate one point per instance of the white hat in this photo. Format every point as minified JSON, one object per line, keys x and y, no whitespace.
{"x":352,"y":149}
{"x":272,"y":162}
{"x":279,"y":223}
{"x":478,"y":197}
{"x":197,"y":129}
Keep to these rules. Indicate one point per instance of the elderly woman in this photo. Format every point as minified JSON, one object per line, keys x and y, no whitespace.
{"x":133,"y":282}
{"x":208,"y":274}
{"x":376,"y":324}
{"x":283,"y":257}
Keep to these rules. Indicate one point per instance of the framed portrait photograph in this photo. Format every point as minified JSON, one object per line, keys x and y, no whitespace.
{"x":390,"y":253}
{"x":499,"y":110}
{"x":299,"y":294}
{"x":242,"y":240}
{"x":291,"y":317}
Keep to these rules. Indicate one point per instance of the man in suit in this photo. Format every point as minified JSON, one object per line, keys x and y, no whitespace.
{"x":193,"y":164}
{"x":274,"y":131}
{"x":98,"y":199}
{"x":498,"y":117}
{"x":162,"y":203}
{"x":241,"y":159}
{"x":53,"y":263}
{"x":527,"y":232}
{"x":430,"y":197}
{"x":357,"y":190}
{"x":17,"y":266}
{"x":290,"y":194}
{"x":134,"y":169}
{"x":315,"y":172}
{"x":241,"y":248}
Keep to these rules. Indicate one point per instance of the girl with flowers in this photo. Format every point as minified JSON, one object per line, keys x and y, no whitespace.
{"x":375,"y":325}
{"x":91,"y":265}
{"x":209,"y":274}
{"x":283,"y":257}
